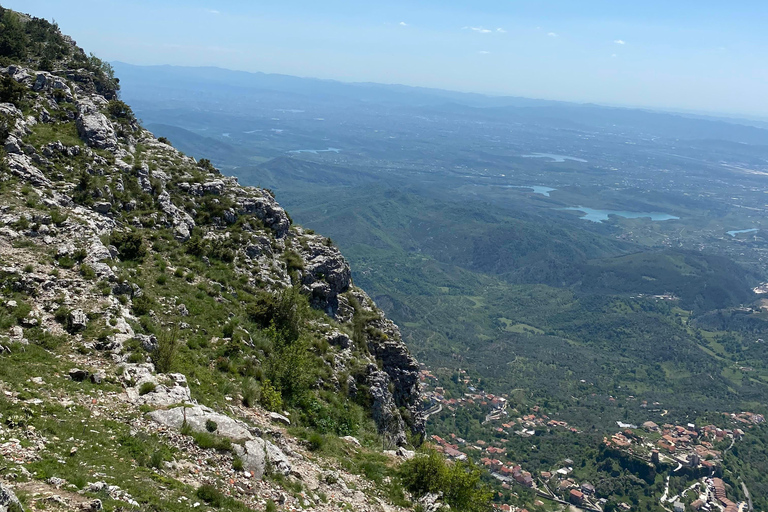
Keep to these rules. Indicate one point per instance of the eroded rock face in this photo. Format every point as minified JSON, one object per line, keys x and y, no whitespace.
{"x":326,"y":273}
{"x":8,"y":500}
{"x":384,"y":409}
{"x":94,"y":127}
{"x":258,"y":453}
{"x":196,"y":418}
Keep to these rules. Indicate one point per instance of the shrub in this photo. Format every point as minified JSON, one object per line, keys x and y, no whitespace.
{"x":211,"y":426}
{"x":147,"y":387}
{"x":120,"y":110}
{"x":316,"y":441}
{"x":130,"y":245}
{"x":237,"y":464}
{"x":162,"y":279}
{"x":284,"y":310}
{"x":141,"y":305}
{"x":211,"y":495}
{"x":87,"y":271}
{"x":164,"y":140}
{"x":164,"y":358}
{"x":459,"y":483}
{"x":250,"y":392}
{"x":58,"y":218}
{"x":270,"y":397}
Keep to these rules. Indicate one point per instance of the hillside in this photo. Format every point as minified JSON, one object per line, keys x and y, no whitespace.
{"x":168,"y":338}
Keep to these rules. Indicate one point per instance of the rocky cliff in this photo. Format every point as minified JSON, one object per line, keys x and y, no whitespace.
{"x":192,"y":301}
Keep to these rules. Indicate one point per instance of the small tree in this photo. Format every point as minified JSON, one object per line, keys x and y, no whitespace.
{"x":164,"y":357}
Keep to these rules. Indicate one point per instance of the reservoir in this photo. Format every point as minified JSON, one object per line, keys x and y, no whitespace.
{"x":737,"y":231}
{"x":316,"y":151}
{"x":593,"y":215}
{"x":556,"y":158}
{"x":537,"y":189}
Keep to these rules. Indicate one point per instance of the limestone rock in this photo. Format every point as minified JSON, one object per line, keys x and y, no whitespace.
{"x":78,"y":320}
{"x":257,"y":453}
{"x":94,"y":127}
{"x":196,"y":418}
{"x":8,"y":500}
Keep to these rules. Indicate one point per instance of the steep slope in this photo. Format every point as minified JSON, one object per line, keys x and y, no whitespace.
{"x":153,"y":311}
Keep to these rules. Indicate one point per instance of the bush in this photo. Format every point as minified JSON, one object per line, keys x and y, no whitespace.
{"x":146,"y":388}
{"x":284,"y":310}
{"x":316,"y":441}
{"x":211,"y":495}
{"x":164,"y":358}
{"x":141,"y":305}
{"x":459,"y":483}
{"x":120,"y":110}
{"x":250,"y":392}
{"x":270,"y":397}
{"x":211,"y":426}
{"x":130,"y":245}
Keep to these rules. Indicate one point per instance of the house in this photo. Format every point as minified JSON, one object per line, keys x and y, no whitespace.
{"x":588,"y":489}
{"x":650,"y":426}
{"x":696,"y":505}
{"x":576,"y":497}
{"x":679,"y":506}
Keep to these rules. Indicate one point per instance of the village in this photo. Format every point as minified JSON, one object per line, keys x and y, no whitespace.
{"x":698,"y":449}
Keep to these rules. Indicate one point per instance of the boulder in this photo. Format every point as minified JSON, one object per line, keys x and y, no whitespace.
{"x":78,"y":320}
{"x":94,"y":127}
{"x":257,"y":453}
{"x":165,"y":390}
{"x":78,"y":375}
{"x":196,"y":418}
{"x":279,"y":418}
{"x":8,"y":500}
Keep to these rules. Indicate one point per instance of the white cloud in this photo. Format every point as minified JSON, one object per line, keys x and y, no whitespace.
{"x":552,"y":34}
{"x":613,"y":55}
{"x":619,"y":41}
{"x":478,"y":29}
{"x":214,"y":11}
{"x":483,"y":52}
{"x":403,"y":24}
{"x":501,"y":30}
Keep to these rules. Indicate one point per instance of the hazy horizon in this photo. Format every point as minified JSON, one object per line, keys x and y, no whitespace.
{"x":692,"y":57}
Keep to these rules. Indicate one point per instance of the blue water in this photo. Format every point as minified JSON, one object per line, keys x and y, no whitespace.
{"x":737,"y":231}
{"x":535,"y":188}
{"x":556,"y":158}
{"x":603,"y":215}
{"x":316,"y":151}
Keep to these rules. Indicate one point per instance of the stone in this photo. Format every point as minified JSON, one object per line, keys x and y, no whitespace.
{"x":78,"y":320}
{"x":78,"y":375}
{"x":279,"y":418}
{"x":339,"y":339}
{"x":169,"y":389}
{"x":103,"y":207}
{"x":8,"y":500}
{"x":196,"y":418}
{"x":148,"y":341}
{"x":94,"y":127}
{"x":257,"y":452}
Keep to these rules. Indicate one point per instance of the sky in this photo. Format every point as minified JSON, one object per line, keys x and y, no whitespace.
{"x":706,"y":56}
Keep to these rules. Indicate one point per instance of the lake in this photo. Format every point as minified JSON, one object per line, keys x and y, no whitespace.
{"x":556,"y":158}
{"x":316,"y":151}
{"x":593,"y":215}
{"x":535,"y":188}
{"x":737,"y":231}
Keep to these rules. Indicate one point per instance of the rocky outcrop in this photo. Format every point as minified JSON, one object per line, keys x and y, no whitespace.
{"x":258,"y":455}
{"x":8,"y":500}
{"x":131,"y":181}
{"x":93,"y":126}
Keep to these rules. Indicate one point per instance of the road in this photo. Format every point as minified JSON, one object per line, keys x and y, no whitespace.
{"x":746,"y":493}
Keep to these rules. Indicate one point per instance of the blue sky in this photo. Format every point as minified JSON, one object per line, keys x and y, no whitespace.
{"x":705,"y":55}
